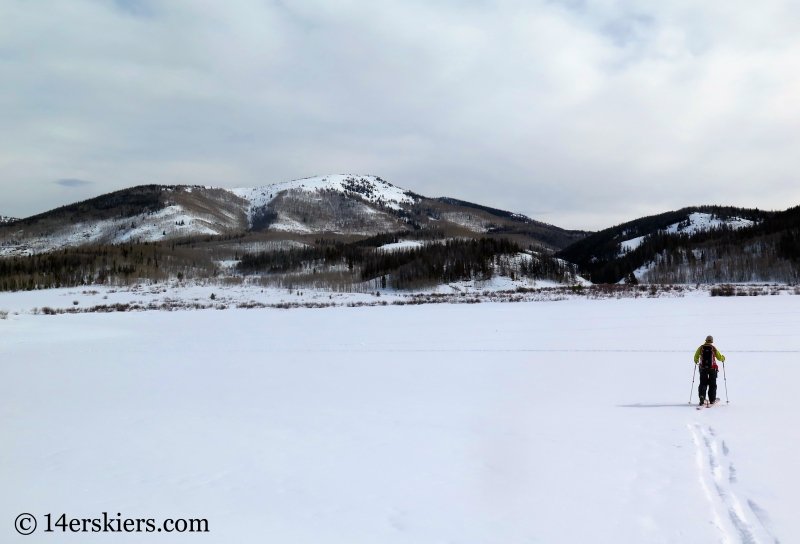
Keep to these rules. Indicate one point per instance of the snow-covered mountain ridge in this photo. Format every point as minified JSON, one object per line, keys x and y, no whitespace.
{"x":370,"y":188}
{"x":328,"y":205}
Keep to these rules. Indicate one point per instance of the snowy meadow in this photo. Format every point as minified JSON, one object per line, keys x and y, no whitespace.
{"x":532,"y":422}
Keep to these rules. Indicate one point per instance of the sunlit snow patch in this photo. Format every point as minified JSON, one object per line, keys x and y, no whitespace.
{"x":698,"y":222}
{"x":405,"y":244}
{"x":633,"y":243}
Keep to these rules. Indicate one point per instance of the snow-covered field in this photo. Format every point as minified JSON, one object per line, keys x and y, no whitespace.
{"x":540,"y":422}
{"x":223,"y":295}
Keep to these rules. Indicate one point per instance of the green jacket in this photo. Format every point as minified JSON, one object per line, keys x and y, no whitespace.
{"x":717,"y":354}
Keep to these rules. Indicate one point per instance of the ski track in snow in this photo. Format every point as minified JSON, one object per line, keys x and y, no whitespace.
{"x":735,"y":522}
{"x":402,"y":424}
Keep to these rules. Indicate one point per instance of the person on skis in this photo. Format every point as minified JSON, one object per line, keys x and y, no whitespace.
{"x":706,"y":358}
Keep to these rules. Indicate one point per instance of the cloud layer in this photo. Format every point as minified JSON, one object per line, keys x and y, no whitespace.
{"x":580,"y":114}
{"x":72,"y":182}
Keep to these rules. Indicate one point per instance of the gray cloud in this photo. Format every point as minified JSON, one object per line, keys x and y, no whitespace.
{"x":139,"y":8}
{"x":586,"y":113}
{"x":73,"y":182}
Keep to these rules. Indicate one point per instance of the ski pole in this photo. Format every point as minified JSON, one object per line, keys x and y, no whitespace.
{"x":725,"y":377}
{"x":692,"y":389}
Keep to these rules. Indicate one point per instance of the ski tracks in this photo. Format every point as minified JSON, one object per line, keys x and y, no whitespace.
{"x":735,"y":521}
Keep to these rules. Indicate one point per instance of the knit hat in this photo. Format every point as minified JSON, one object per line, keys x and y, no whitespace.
{"x":709,"y":339}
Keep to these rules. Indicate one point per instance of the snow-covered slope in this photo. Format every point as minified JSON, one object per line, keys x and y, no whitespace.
{"x":184,"y":211}
{"x":633,"y":243}
{"x":169,"y":222}
{"x":399,"y":246}
{"x":5,"y":219}
{"x":337,"y":203}
{"x":696,"y":222}
{"x":371,"y":188}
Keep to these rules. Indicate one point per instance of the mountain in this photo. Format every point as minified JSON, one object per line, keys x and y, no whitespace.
{"x":702,"y":244}
{"x":335,"y":232}
{"x":360,"y":206}
{"x":6,"y":220}
{"x":329,"y":228}
{"x":337,"y":207}
{"x":144,"y":213}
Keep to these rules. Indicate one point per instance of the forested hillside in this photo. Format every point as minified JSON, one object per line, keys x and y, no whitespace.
{"x":402,"y":260}
{"x":736,"y":245}
{"x":423,"y":265}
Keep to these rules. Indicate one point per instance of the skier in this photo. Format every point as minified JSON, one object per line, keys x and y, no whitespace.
{"x":706,"y":358}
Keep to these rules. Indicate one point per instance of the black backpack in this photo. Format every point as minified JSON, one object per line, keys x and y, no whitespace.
{"x":707,"y":356}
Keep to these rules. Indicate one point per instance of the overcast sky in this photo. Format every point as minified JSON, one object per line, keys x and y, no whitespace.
{"x":579,"y":113}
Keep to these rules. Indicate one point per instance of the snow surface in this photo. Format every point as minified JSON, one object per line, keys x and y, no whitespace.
{"x":556,"y":422}
{"x":227,"y":295}
{"x":405,"y":244}
{"x":633,"y":243}
{"x":377,"y":190}
{"x":287,"y":224}
{"x":703,"y":221}
{"x":641,"y":271}
{"x":177,"y":294}
{"x":496,"y":283}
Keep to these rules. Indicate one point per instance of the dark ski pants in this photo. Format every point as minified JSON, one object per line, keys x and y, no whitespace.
{"x":708,"y":379}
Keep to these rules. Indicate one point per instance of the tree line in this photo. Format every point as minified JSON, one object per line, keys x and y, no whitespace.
{"x":104,"y":265}
{"x":438,"y":261}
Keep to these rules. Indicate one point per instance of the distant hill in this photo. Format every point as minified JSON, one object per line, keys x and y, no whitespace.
{"x":337,"y":232}
{"x":344,"y":207}
{"x":327,"y":230}
{"x":4,"y":220}
{"x":702,"y":244}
